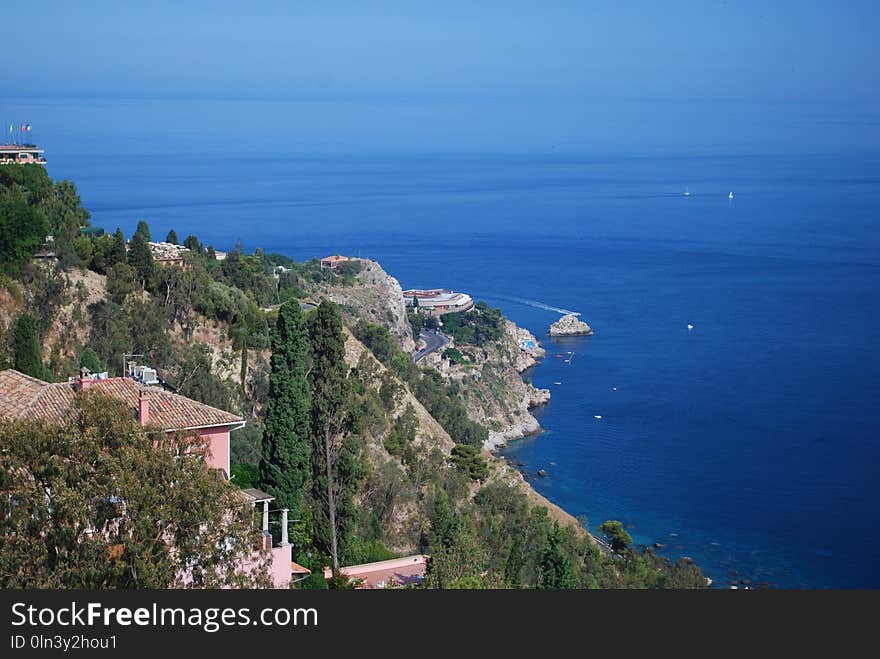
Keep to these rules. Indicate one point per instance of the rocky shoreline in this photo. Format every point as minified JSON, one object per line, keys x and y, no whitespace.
{"x":530,"y":352}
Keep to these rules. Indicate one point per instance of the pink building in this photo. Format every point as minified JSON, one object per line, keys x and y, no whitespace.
{"x":28,"y":398}
{"x":25,"y":397}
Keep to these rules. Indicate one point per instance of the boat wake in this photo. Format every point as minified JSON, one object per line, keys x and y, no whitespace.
{"x":532,"y":303}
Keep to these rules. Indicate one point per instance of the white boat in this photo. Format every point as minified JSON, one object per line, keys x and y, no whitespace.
{"x":730,"y":196}
{"x":597,"y":416}
{"x":687,"y":192}
{"x":690,"y":327}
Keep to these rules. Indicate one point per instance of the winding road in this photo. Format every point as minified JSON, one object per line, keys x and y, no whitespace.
{"x":434,"y":340}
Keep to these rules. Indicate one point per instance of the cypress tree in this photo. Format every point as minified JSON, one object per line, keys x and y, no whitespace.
{"x":334,"y":465}
{"x":27,"y":352}
{"x":171,"y":237}
{"x":442,"y":519}
{"x":285,"y":463}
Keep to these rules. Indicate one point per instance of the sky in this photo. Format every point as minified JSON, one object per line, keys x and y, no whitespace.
{"x":808,"y":50}
{"x":507,"y":75}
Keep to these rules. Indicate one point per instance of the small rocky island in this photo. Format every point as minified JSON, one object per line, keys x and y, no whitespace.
{"x":569,"y":325}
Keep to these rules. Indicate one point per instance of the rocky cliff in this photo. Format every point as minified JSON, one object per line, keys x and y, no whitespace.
{"x":375,"y":297}
{"x":493,"y":390}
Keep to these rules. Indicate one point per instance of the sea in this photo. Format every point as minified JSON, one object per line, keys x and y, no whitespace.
{"x":726,"y":407}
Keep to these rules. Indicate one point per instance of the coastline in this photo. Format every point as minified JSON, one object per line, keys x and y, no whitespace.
{"x":529,"y":355}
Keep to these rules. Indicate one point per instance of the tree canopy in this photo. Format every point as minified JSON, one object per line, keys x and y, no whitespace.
{"x":23,"y":231}
{"x":143,"y":230}
{"x":616,"y":534}
{"x":101,"y":504}
{"x":141,"y":259}
{"x":479,"y":326}
{"x":334,"y":465}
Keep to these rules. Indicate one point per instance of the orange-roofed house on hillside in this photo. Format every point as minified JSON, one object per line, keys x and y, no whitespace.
{"x":332,"y":262}
{"x":28,"y":398}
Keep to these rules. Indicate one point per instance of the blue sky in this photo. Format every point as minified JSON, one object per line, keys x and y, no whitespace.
{"x":811,"y":51}
{"x":577,"y":76}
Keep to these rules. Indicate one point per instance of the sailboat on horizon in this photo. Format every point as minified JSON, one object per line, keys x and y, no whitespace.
{"x":687,"y":192}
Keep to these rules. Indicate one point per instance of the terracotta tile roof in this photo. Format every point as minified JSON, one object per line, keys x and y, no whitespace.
{"x":24,"y":397}
{"x":17,"y":390}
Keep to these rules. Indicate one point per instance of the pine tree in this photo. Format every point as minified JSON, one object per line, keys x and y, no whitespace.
{"x":335,"y":468}
{"x":192,"y":243}
{"x":118,"y":252}
{"x":557,"y":570}
{"x":285,"y":463}
{"x":27,"y":353}
{"x":143,"y":230}
{"x":90,"y":360}
{"x":616,"y":534}
{"x":171,"y":237}
{"x":141,"y":259}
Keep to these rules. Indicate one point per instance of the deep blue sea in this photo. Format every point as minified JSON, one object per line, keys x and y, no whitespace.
{"x":749,"y":443}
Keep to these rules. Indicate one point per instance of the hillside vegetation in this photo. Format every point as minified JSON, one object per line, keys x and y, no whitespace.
{"x":375,"y":455}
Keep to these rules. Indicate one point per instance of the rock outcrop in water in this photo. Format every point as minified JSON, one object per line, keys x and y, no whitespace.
{"x":569,"y":325}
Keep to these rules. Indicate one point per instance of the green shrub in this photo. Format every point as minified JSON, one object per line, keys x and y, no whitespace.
{"x":479,"y":326}
{"x":455,"y":356}
{"x":245,"y":475}
{"x":468,"y":459}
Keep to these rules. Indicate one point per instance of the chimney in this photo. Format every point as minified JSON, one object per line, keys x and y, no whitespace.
{"x":85,"y":381}
{"x":143,"y":408}
{"x":265,"y":540}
